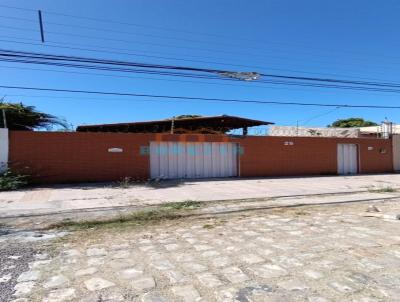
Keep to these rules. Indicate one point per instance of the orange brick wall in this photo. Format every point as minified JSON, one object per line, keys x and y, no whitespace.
{"x":269,"y":156}
{"x":84,"y":157}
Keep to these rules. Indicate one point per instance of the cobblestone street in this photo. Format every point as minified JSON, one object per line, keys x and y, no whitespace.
{"x":315,"y":253}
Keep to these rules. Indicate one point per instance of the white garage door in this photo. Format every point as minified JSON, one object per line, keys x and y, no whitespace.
{"x":347,"y":158}
{"x":193,"y":160}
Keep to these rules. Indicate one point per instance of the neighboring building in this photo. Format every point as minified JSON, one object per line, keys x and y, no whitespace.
{"x":385,"y":130}
{"x":313,"y":131}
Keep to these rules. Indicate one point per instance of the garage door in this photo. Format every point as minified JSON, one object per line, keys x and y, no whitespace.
{"x":347,"y":158}
{"x":193,"y":160}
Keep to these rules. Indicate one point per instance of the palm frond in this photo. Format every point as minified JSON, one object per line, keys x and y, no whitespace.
{"x":22,"y":117}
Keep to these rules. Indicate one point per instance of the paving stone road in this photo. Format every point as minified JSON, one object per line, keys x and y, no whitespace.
{"x":18,"y":251}
{"x":315,"y":254}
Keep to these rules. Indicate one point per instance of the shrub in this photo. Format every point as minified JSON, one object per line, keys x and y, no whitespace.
{"x":125,"y":182}
{"x":11,"y":181}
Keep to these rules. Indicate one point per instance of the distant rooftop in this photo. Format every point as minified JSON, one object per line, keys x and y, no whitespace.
{"x":206,"y":125}
{"x":378,"y":129}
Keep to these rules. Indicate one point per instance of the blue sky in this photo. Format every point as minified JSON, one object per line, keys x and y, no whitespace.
{"x":343,"y":39}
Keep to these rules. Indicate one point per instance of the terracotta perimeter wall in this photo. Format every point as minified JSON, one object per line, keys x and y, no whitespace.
{"x":57,"y":157}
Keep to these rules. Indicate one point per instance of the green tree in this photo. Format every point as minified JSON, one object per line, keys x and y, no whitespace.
{"x":352,"y":122}
{"x":22,"y":117}
{"x":183,"y":116}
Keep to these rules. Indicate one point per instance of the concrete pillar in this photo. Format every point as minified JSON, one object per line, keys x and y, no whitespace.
{"x":3,"y":149}
{"x":396,"y":152}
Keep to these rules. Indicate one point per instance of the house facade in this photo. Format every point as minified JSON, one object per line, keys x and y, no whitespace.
{"x":56,"y":157}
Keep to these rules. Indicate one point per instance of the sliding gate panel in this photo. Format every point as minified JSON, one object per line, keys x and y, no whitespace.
{"x":347,"y":159}
{"x":169,"y":160}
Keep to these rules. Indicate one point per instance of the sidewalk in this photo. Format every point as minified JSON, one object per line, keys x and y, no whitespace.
{"x":57,"y":199}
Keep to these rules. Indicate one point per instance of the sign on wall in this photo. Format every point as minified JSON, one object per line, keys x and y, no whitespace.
{"x":115,"y":150}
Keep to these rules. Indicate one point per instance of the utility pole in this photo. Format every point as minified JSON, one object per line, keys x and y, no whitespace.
{"x":41,"y":25}
{"x":172,"y":124}
{"x":4,"y":118}
{"x":4,"y":113}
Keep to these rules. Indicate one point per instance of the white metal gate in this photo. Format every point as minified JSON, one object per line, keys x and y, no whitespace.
{"x":347,"y":159}
{"x":193,"y":160}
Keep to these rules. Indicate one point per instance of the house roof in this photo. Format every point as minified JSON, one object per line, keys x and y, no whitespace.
{"x":209,"y":124}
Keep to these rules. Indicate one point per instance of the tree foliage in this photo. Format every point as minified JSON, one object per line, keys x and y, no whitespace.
{"x":22,"y":117}
{"x":352,"y":122}
{"x":183,"y":116}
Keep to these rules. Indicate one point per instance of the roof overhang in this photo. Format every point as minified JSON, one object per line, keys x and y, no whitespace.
{"x":222,"y":123}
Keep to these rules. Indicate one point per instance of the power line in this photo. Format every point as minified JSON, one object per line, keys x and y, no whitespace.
{"x":117,"y":69}
{"x":209,"y":50}
{"x":330,"y":80}
{"x":269,"y":43}
{"x":155,"y":79}
{"x":86,"y":98}
{"x":213,"y":78}
{"x":142,"y":42}
{"x":191,"y":98}
{"x":129,"y":53}
{"x":168,"y":58}
{"x":251,"y":85}
{"x":171,"y":46}
{"x":319,"y":115}
{"x":230,"y":45}
{"x":46,"y":56}
{"x":186,"y":75}
{"x":124,"y":32}
{"x":182,"y":71}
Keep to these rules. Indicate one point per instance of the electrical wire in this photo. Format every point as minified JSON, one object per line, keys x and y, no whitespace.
{"x":191,"y":98}
{"x":179,"y":47}
{"x":57,"y":45}
{"x":157,"y":79}
{"x":172,"y":70}
{"x":164,"y":45}
{"x":319,"y":115}
{"x":109,"y":21}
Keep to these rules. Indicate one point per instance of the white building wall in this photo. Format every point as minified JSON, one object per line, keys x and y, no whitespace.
{"x":312,"y":131}
{"x":3,"y":149}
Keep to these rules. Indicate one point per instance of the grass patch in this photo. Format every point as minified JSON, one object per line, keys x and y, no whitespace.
{"x":183,"y":205}
{"x":383,"y":190}
{"x":167,"y":211}
{"x":208,"y":226}
{"x":134,"y":219}
{"x":301,"y":213}
{"x":126,"y":183}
